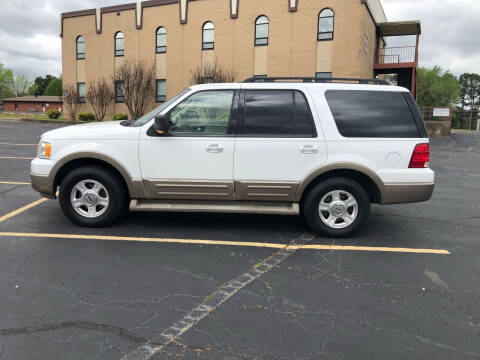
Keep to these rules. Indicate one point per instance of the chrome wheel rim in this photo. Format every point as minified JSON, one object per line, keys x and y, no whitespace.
{"x":89,"y":198}
{"x":338,"y":209}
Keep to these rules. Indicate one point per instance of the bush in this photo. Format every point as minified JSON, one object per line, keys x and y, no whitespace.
{"x":53,"y":114}
{"x":120,"y":116}
{"x":86,"y":117}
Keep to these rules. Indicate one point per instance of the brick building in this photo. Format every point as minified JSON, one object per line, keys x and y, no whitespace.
{"x":26,"y":104}
{"x":310,"y":38}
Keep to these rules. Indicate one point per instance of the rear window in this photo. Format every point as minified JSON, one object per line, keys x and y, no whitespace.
{"x":372,"y":114}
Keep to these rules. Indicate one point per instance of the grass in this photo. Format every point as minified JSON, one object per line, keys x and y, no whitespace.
{"x":34,"y":117}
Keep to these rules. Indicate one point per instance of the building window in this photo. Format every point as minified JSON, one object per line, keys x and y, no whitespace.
{"x":259,"y":78}
{"x":161,"y":90}
{"x":80,"y":48}
{"x":16,"y":106}
{"x":325,"y":24}
{"x":207,"y":80}
{"x":119,"y":91}
{"x":161,"y":40}
{"x":81,"y":92}
{"x":208,"y":36}
{"x":119,"y":44}
{"x":323,"y":75}
{"x":261,"y":31}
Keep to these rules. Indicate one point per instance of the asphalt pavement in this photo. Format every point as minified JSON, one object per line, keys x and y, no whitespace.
{"x":221,"y":286}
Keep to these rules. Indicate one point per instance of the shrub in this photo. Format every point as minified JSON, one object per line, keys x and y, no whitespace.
{"x":86,"y":117}
{"x":120,"y":116}
{"x":53,"y":114}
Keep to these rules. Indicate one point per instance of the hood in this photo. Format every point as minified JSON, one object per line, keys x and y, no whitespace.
{"x":108,"y":130}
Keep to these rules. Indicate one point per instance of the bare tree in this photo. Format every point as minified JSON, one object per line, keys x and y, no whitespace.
{"x":100,"y":94}
{"x":138,"y":78}
{"x":211,"y":73}
{"x":20,"y":85}
{"x":70,"y":100}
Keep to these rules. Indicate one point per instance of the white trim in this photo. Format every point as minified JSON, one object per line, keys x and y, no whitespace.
{"x":98,"y":15}
{"x":376,"y":9}
{"x":139,"y":14}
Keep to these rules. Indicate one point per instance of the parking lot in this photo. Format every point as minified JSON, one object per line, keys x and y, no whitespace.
{"x":221,"y":286}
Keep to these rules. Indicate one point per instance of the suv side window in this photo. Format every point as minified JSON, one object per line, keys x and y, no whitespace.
{"x":205,"y":113}
{"x":374,"y":114}
{"x":277,"y":113}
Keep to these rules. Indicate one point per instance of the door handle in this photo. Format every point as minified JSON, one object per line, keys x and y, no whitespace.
{"x":309,"y":149}
{"x":214,"y":148}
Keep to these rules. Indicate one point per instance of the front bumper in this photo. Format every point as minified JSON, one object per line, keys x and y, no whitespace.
{"x":42,"y":178}
{"x":44,"y":185}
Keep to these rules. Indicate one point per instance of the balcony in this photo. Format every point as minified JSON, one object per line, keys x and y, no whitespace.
{"x":396,"y":57}
{"x":402,"y":61}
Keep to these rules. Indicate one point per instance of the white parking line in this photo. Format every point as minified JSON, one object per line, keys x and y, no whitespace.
{"x":13,"y":144}
{"x":16,"y":157}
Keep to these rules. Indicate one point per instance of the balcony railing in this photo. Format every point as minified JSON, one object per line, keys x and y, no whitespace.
{"x":396,"y":55}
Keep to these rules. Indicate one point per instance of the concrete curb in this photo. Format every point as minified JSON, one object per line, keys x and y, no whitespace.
{"x":53,"y":121}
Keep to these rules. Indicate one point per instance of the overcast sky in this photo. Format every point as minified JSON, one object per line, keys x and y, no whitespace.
{"x":30,"y":45}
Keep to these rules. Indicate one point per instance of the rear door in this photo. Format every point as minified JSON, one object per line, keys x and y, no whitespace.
{"x":277,"y":144}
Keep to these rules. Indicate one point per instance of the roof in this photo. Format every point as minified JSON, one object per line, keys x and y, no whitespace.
{"x":376,"y":9}
{"x":400,"y":28}
{"x":31,"y":98}
{"x":298,"y":85}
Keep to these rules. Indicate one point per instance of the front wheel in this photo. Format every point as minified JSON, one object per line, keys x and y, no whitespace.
{"x":336,"y":207}
{"x":92,"y":196}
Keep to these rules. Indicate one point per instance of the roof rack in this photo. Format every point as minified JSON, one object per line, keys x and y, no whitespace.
{"x":316,"y":80}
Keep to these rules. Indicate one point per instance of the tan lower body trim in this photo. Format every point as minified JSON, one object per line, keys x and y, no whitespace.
{"x":236,"y":207}
{"x":190,"y":189}
{"x":265,"y":190}
{"x":406,"y":193}
{"x":44,"y":185}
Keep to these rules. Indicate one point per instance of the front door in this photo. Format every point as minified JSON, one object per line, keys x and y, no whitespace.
{"x":194,"y":161}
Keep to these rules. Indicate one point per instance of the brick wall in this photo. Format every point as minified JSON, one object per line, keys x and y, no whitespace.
{"x":9,"y":106}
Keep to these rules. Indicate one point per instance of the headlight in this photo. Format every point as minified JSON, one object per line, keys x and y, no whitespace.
{"x":44,"y":150}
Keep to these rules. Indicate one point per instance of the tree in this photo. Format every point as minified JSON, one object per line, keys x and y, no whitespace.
{"x":6,"y":81}
{"x":437,"y":88}
{"x":54,"y":87}
{"x":70,"y":100}
{"x":20,"y":85}
{"x":138,"y":79}
{"x":470,"y":93}
{"x":211,"y":73}
{"x":100,"y":95}
{"x":40,"y":84}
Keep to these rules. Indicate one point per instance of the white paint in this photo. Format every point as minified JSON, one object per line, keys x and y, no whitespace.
{"x":139,"y":14}
{"x":98,"y":15}
{"x":270,"y":159}
{"x":377,"y":11}
{"x":183,"y":10}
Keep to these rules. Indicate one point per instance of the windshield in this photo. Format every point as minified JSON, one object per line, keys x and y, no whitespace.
{"x":146,"y":118}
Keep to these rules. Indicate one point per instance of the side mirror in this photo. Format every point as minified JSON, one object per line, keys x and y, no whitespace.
{"x":162,"y":123}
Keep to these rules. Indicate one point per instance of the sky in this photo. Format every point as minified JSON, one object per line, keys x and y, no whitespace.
{"x":30,"y":44}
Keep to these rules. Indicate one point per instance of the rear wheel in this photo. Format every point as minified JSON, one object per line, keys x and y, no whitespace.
{"x":93,"y":196}
{"x":336,"y":207}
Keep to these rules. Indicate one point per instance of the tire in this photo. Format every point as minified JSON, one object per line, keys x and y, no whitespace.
{"x":106,"y":193}
{"x":345,"y":204}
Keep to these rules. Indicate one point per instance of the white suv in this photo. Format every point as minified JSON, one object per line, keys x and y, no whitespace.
{"x":323,"y":149}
